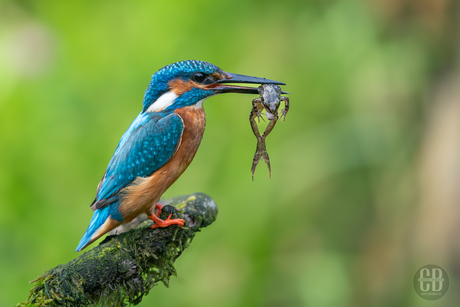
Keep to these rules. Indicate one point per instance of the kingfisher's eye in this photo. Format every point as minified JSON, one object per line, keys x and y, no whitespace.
{"x":199,"y":77}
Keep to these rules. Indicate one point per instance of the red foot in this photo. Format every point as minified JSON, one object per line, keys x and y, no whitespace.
{"x":158,"y":207}
{"x":165,"y":223}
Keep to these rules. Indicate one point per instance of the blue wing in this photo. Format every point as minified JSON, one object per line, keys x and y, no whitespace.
{"x":147,"y":145}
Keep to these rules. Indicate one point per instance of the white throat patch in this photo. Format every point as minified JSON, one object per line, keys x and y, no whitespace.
{"x":163,"y":102}
{"x":199,"y":104}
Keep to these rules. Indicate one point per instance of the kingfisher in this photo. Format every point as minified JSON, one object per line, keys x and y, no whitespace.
{"x":159,"y":144}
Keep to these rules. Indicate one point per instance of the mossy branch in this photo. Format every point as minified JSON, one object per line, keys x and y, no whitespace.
{"x":125,"y":267}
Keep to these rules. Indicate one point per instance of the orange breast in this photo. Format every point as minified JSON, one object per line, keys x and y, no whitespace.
{"x":145,"y":193}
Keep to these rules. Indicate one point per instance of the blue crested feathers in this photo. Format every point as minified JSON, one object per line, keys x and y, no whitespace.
{"x":181,"y":70}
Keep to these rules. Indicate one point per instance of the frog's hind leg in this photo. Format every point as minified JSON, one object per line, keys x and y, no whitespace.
{"x":255,"y":113}
{"x":255,"y":161}
{"x":261,"y":153}
{"x":263,"y":148}
{"x":266,"y":159}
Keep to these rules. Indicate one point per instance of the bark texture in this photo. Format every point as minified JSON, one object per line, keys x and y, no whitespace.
{"x":125,"y":267}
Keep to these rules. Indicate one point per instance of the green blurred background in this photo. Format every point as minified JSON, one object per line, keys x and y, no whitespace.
{"x":365,"y":170}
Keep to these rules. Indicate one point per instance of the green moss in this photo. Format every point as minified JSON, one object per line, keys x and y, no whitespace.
{"x":124,"y":268}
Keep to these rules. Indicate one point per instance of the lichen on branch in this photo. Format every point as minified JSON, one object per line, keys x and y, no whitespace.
{"x":125,"y":267}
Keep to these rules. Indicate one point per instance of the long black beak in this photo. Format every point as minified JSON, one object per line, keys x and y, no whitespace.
{"x":219,"y":87}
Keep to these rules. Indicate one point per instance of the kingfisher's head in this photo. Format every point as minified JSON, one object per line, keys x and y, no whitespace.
{"x":188,"y":83}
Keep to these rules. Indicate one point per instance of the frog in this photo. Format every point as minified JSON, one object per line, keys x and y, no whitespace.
{"x":269,"y":100}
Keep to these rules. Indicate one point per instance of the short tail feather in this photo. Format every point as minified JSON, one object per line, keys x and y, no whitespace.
{"x":98,"y":219}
